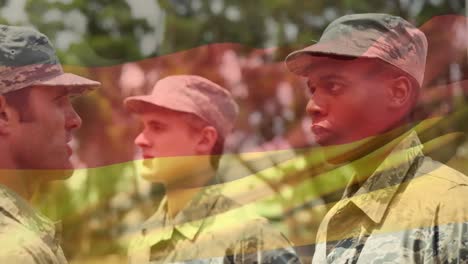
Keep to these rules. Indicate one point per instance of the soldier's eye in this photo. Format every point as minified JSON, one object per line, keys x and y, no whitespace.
{"x":155,"y":126}
{"x":311,"y":87}
{"x":62,"y":100}
{"x":333,"y":87}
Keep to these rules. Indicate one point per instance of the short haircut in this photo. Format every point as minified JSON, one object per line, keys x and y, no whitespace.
{"x":19,"y":100}
{"x":384,"y":67}
{"x":393,"y":72}
{"x":197,"y":124}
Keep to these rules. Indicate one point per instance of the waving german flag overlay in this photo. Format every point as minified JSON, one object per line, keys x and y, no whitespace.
{"x":272,"y":180}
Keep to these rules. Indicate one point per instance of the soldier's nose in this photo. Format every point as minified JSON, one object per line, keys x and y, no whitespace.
{"x":315,"y":109}
{"x":73,"y":120}
{"x":141,"y":140}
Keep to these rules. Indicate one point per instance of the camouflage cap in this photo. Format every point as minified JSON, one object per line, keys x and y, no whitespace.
{"x":388,"y":38}
{"x":28,"y":58}
{"x":192,"y":94}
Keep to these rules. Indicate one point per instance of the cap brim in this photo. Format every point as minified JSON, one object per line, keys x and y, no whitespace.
{"x":302,"y":61}
{"x":75,"y":83}
{"x":136,"y":104}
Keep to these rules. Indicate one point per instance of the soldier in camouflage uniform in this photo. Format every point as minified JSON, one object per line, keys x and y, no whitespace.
{"x":186,"y":119}
{"x":364,"y":76}
{"x":36,"y":121}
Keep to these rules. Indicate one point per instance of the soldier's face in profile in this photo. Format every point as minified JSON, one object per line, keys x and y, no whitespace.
{"x":42,"y":140}
{"x":348,"y":100}
{"x":168,"y":145}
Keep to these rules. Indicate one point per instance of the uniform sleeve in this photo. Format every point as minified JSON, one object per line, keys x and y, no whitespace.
{"x":23,"y":256}
{"x":451,"y":229}
{"x":261,"y":243}
{"x":18,"y":245}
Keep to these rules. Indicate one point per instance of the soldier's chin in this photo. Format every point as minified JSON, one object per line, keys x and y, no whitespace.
{"x":324,"y":138}
{"x":58,"y":171}
{"x":153,"y":171}
{"x":57,"y":174}
{"x":149,"y":173}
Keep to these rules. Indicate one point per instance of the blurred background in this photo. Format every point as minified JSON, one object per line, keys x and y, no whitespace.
{"x":130,"y":44}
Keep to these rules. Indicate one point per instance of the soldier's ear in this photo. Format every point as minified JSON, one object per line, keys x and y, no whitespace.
{"x":400,"y":92}
{"x":207,"y":140}
{"x":4,"y":116}
{"x":8,"y":117}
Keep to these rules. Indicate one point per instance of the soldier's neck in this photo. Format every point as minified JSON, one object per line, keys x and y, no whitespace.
{"x":343,"y":154}
{"x":180,"y":194}
{"x":24,"y":183}
{"x":178,"y":199}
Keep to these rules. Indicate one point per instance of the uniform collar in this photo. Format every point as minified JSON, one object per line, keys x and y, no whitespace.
{"x":20,"y":210}
{"x":376,"y":192}
{"x":187,"y":222}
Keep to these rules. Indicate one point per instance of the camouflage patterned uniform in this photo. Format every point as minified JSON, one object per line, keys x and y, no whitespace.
{"x":410,"y":210}
{"x":27,"y":58}
{"x":26,"y":236}
{"x":211,"y":229}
